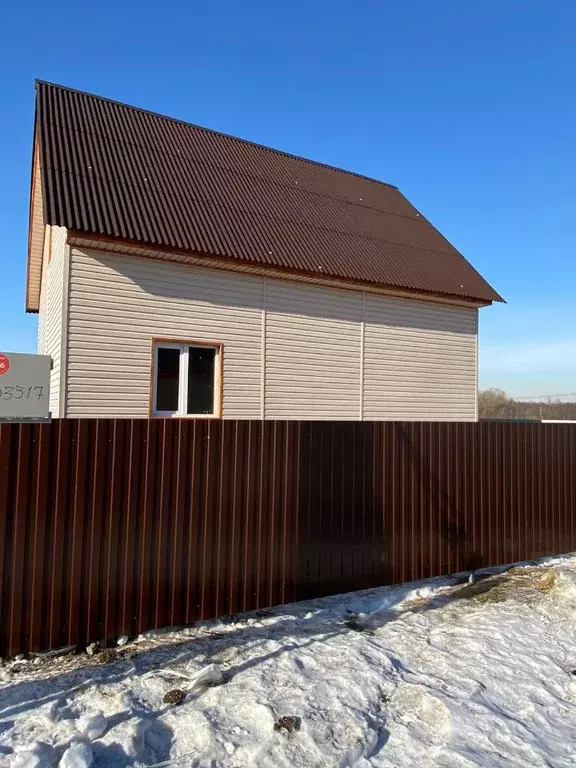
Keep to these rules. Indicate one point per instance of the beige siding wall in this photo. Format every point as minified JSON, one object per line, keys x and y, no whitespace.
{"x":52,"y":310}
{"x":290,"y":350}
{"x":313,"y":351}
{"x":419,"y":360}
{"x":119,"y":303}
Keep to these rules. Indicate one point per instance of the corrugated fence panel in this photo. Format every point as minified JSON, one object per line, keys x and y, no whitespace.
{"x":115,"y":526}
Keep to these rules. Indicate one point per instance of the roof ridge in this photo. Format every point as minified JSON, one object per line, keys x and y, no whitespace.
{"x":213,"y":131}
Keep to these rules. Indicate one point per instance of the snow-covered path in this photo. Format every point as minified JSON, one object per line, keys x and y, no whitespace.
{"x":418,"y":675}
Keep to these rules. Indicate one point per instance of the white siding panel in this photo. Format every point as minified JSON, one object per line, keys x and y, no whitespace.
{"x":119,"y":303}
{"x":51,"y":313}
{"x":419,"y":360}
{"x":312,"y":352}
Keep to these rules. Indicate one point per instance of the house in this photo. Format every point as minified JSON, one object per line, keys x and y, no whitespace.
{"x":181,"y":271}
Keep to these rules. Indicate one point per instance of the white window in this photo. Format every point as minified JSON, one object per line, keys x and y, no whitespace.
{"x":186,"y":379}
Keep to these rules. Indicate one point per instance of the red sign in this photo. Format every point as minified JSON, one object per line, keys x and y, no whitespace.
{"x":4,"y":364}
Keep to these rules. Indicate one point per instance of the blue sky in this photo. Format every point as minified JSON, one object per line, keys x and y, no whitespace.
{"x":469,"y":108}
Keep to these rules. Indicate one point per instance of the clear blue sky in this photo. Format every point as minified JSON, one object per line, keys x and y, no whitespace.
{"x":470,"y":108}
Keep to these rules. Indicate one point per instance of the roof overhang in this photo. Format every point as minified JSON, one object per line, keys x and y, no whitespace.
{"x":36,"y":232}
{"x":111,"y":245}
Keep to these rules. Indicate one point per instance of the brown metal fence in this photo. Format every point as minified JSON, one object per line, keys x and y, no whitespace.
{"x":112,"y":527}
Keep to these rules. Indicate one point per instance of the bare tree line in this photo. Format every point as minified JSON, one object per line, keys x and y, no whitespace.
{"x":496,"y":404}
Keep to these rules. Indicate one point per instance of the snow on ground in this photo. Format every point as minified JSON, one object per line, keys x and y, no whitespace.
{"x":424,"y":674}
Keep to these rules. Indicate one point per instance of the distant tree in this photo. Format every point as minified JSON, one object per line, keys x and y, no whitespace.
{"x":494,"y":403}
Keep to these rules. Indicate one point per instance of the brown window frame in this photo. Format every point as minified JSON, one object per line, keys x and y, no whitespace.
{"x":218,"y":376}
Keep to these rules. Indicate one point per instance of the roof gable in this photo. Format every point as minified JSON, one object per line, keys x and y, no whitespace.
{"x":117,"y":171}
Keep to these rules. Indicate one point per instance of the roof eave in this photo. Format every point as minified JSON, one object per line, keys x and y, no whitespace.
{"x":36,"y":225}
{"x":150,"y":250}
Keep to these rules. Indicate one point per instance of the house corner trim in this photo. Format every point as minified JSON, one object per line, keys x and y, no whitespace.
{"x":63,"y":384}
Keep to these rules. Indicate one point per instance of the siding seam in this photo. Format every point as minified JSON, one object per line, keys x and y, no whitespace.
{"x":476,"y":368}
{"x":361,"y":404}
{"x":63,"y":394}
{"x":263,"y":353}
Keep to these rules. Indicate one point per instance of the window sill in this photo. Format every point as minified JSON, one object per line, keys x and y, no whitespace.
{"x":186,"y":416}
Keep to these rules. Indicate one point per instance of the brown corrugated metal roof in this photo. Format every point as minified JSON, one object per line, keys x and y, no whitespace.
{"x":112,"y":170}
